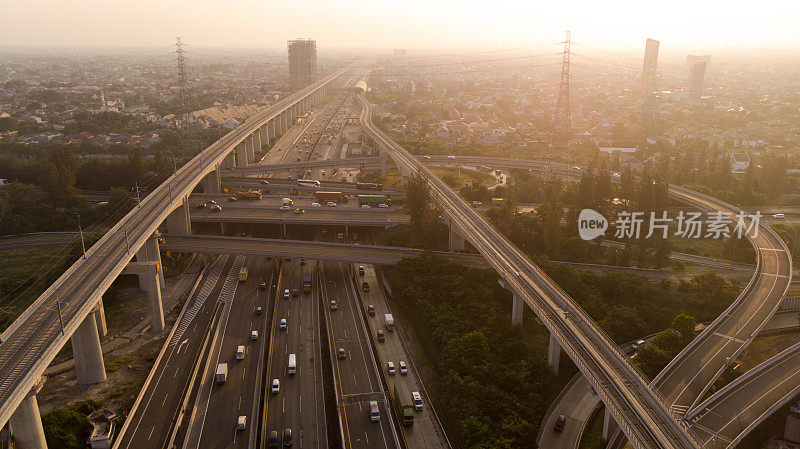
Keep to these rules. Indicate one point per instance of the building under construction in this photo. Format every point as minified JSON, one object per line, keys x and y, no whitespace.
{"x":302,"y":62}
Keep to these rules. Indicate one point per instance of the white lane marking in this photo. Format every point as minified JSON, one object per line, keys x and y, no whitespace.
{"x":729,"y":337}
{"x":240,"y":402}
{"x":283,"y":405}
{"x":165,"y":400}
{"x":181,"y":345}
{"x":151,"y":433}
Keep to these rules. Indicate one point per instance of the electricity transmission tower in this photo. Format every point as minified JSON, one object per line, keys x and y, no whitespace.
{"x":183,"y":79}
{"x":562,"y":132}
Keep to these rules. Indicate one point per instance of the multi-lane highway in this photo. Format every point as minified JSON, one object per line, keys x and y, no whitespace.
{"x":152,"y":420}
{"x":299,"y":402}
{"x":356,"y":376}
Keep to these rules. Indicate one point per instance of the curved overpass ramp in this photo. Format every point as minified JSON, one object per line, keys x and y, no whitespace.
{"x":642,"y":413}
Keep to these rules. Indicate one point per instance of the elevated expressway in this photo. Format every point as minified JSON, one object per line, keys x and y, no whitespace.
{"x":641,"y":412}
{"x":345,"y":252}
{"x":68,"y":307}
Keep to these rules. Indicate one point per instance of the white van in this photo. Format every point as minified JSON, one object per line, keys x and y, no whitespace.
{"x":241,"y":423}
{"x":417,"y":399}
{"x":374,"y":413}
{"x":240,"y":352}
{"x":292,"y":363}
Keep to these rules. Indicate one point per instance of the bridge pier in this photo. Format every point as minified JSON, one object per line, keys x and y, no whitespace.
{"x":241,"y":154}
{"x":517,"y":310}
{"x":609,"y":425}
{"x":100,"y":318}
{"x":150,"y":252}
{"x":26,"y":422}
{"x":272,"y":132}
{"x":178,"y":221}
{"x":553,"y":354}
{"x":255,"y":145}
{"x":212,"y":182}
{"x":456,"y":240}
{"x":88,"y":354}
{"x":229,"y":161}
{"x":150,"y":273}
{"x":282,"y":122}
{"x":384,"y":164}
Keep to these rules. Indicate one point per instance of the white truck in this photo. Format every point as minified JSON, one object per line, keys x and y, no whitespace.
{"x":287,"y":202}
{"x":222,"y":373}
{"x":292,"y":364}
{"x":374,"y":413}
{"x":389,"y":321}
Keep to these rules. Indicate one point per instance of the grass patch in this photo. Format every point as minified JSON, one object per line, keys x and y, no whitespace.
{"x":593,"y":432}
{"x":120,"y":362}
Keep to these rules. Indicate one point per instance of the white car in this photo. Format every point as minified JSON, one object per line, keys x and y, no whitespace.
{"x":253,"y":335}
{"x":276,"y":386}
{"x":283,"y":324}
{"x":636,"y":344}
{"x":778,"y":216}
{"x":417,"y":399}
{"x":383,"y":205}
{"x":403,"y":367}
{"x":241,"y":423}
{"x":316,"y":205}
{"x":390,"y":368}
{"x":451,"y":157}
{"x":365,"y":206}
{"x":331,"y":204}
{"x":286,"y":294}
{"x":286,"y":207}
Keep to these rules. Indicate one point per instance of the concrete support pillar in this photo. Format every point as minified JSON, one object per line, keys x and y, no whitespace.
{"x":283,"y":122}
{"x":26,"y":422}
{"x":609,"y":425}
{"x":256,"y":145}
{"x":384,"y":164}
{"x":154,"y":302}
{"x":100,"y":318}
{"x":87,"y":352}
{"x":553,"y":354}
{"x":212,"y":183}
{"x":241,"y":154}
{"x":178,"y":221}
{"x":150,"y":252}
{"x":456,"y":240}
{"x":229,"y":161}
{"x":264,"y":130}
{"x":517,"y":310}
{"x":271,"y":130}
{"x":284,"y":233}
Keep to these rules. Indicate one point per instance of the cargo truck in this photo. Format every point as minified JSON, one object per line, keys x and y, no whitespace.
{"x":373,"y":200}
{"x":222,"y":373}
{"x":324,"y":196}
{"x":389,"y":321}
{"x":307,"y":283}
{"x":249,"y":195}
{"x":405,"y":410}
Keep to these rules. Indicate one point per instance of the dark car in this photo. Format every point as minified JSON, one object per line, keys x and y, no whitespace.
{"x":295,"y":293}
{"x":287,"y":437}
{"x":559,"y":425}
{"x":371,"y":310}
{"x":365,"y":286}
{"x":381,"y":338}
{"x":273,"y":439}
{"x":342,"y":354}
{"x":263,"y":286}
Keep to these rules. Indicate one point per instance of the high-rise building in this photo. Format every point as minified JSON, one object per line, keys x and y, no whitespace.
{"x":649,"y":66}
{"x":302,"y":62}
{"x":697,"y":74}
{"x":691,"y":60}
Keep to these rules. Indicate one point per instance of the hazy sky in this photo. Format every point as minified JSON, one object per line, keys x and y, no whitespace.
{"x":686,"y":25}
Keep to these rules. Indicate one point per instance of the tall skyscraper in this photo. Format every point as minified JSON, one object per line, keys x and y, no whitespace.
{"x":302,"y":62}
{"x":697,"y":74}
{"x":691,"y":60}
{"x":649,"y":66}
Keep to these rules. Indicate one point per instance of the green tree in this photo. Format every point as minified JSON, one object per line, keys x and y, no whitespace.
{"x":418,"y":199}
{"x":684,"y":324}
